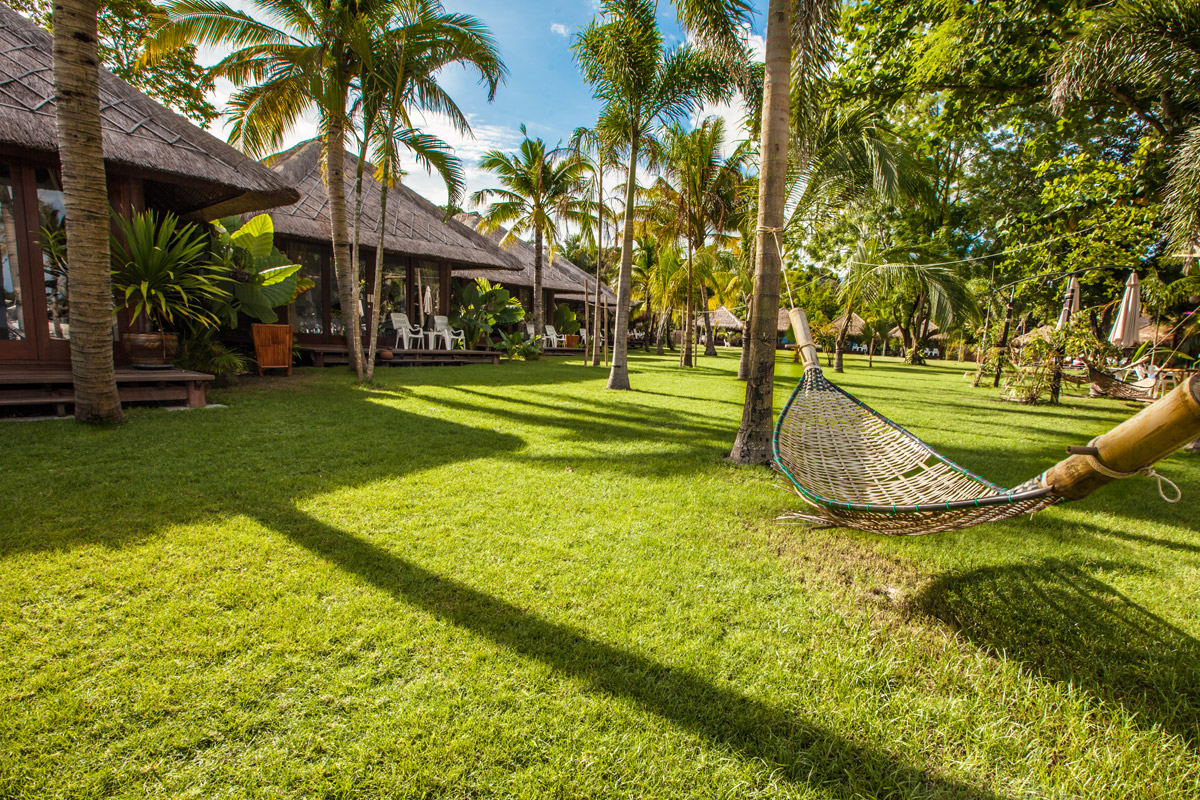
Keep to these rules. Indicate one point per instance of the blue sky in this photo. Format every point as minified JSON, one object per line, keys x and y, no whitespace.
{"x":544,"y":89}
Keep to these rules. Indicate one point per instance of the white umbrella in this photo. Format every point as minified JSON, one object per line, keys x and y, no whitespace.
{"x":1070,"y":304}
{"x":1125,"y":329}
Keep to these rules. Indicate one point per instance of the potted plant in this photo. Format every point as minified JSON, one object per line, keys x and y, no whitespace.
{"x":566,"y":322}
{"x":484,"y":307}
{"x":262,"y":279}
{"x":160,"y":276}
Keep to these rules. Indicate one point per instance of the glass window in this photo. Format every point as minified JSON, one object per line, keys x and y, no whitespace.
{"x":392,"y":295}
{"x":308,"y":309}
{"x":52,"y":226}
{"x":428,"y":292}
{"x":13,"y":328}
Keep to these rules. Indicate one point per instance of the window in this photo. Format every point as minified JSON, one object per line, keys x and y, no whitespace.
{"x":392,"y":295}
{"x":10,"y":270}
{"x":309,"y":309}
{"x":52,"y":228}
{"x":428,"y":294}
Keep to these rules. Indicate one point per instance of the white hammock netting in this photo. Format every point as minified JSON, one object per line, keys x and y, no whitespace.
{"x":858,"y":469}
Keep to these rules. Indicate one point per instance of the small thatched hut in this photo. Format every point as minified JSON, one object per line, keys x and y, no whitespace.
{"x":857,"y":324}
{"x":154,"y":159}
{"x":721,"y":317}
{"x":421,"y":247}
{"x":561,"y":280}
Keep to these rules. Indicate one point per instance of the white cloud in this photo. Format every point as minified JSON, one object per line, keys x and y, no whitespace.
{"x":560,"y":29}
{"x":735,"y":112}
{"x":469,"y":150}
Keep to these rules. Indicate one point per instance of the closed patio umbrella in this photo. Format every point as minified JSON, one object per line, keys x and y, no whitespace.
{"x":1125,"y":329}
{"x":1070,"y":304}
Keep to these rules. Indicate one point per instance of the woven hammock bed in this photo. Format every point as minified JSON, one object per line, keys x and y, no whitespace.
{"x":1105,"y":385}
{"x":857,"y":469}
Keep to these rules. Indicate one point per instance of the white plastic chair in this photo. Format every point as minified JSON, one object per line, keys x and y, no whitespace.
{"x":441,"y":326}
{"x":553,"y":338}
{"x":530,"y":332}
{"x":406,"y":331}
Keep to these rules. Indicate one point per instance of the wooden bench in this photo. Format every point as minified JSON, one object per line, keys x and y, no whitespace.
{"x":35,"y":386}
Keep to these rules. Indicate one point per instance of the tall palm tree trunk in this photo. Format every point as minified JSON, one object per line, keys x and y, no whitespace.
{"x":662,"y":328}
{"x":710,"y":343}
{"x":618,"y":377}
{"x":539,"y":321}
{"x":753,"y":442}
{"x":347,"y":278}
{"x":377,"y":283}
{"x":689,"y":323}
{"x":841,"y":343}
{"x":744,"y":357}
{"x":599,"y":267}
{"x":81,"y":151}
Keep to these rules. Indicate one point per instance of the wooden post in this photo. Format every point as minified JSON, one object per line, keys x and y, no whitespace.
{"x":804,"y":338}
{"x":1003,"y":344}
{"x":1152,"y":434}
{"x":605,"y":329}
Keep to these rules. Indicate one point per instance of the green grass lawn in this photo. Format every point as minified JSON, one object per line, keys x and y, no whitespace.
{"x":507,"y":581}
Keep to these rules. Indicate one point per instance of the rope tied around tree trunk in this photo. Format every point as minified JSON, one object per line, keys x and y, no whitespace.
{"x":1149,"y":471}
{"x":779,"y":251}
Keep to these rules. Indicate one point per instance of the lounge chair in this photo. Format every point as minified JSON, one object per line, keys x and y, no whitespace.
{"x":441,"y":327}
{"x":530,"y":332}
{"x":553,"y":339}
{"x":406,"y":332}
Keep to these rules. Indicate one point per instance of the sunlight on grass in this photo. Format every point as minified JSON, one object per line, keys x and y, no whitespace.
{"x":509,"y":581}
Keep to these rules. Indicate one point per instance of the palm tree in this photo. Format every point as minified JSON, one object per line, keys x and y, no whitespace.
{"x":81,"y":152}
{"x":705,"y":187}
{"x":1146,"y":54}
{"x":310,"y":61}
{"x":604,"y":150}
{"x":642,"y":86}
{"x":403,"y":80}
{"x":808,"y":26}
{"x":538,"y":188}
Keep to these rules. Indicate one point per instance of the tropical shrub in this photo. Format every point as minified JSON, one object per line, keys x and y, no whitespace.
{"x":514,"y":345}
{"x":484,"y":307}
{"x":160,"y":272}
{"x":263,"y":278}
{"x":566,"y":321}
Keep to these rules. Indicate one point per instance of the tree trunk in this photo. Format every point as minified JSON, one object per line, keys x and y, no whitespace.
{"x":689,"y":324}
{"x":841,"y":343}
{"x":85,"y":189}
{"x":599,"y":265}
{"x":662,"y":331}
{"x":618,"y":377}
{"x":347,"y":279}
{"x":710,"y":342}
{"x":1002,"y":345}
{"x":539,"y":319}
{"x":377,"y":284}
{"x":753,"y":442}
{"x":744,"y":357}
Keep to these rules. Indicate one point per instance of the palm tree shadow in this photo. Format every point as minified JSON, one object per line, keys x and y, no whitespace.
{"x":1074,"y":628}
{"x":805,"y":752}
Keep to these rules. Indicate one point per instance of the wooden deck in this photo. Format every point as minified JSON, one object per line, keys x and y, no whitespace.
{"x":52,"y":386}
{"x":562,"y":351}
{"x":323,"y":355}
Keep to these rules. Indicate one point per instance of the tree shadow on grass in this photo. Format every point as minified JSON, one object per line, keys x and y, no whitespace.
{"x":1073,"y":628}
{"x":805,"y":752}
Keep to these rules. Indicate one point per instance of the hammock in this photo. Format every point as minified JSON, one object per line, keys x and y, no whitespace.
{"x":1105,"y":385}
{"x":858,"y":469}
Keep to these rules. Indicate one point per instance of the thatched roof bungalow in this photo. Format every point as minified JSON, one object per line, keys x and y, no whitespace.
{"x":154,"y":159}
{"x":561,"y":280}
{"x":721,"y":317}
{"x":421,"y":248}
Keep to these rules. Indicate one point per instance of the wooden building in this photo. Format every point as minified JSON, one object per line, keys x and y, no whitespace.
{"x":421,"y":248}
{"x":154,"y":159}
{"x":562,"y":281}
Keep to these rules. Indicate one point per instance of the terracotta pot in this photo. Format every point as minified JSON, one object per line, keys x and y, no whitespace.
{"x":573,"y":340}
{"x":385,"y":355}
{"x":150,"y":350}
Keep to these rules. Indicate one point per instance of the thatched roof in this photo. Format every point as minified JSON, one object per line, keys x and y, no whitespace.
{"x":896,"y":333}
{"x":558,"y":274}
{"x":414,"y":226}
{"x":721,"y":317}
{"x":138,"y":132}
{"x":856,"y":324}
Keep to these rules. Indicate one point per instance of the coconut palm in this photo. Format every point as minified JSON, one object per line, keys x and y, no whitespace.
{"x":290,"y":57}
{"x":403,"y":80}
{"x":1146,"y":54}
{"x":77,"y":108}
{"x":603,"y":150}
{"x":539,"y":187}
{"x":642,"y":86}
{"x":799,"y":38}
{"x":703,"y":187}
